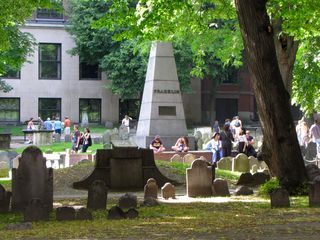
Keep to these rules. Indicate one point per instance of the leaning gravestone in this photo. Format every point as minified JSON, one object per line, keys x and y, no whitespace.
{"x":5,"y":197}
{"x":243,"y":190}
{"x":65,"y":214}
{"x":32,"y":180}
{"x":168,"y":191}
{"x":35,"y":211}
{"x":221,"y":187}
{"x":240,"y":163}
{"x":151,"y":189}
{"x":314,"y":194}
{"x":225,"y":163}
{"x":97,"y":195}
{"x":199,"y":179}
{"x":128,"y":201}
{"x":83,"y":214}
{"x":116,"y":213}
{"x":188,"y":158}
{"x":280,"y":198}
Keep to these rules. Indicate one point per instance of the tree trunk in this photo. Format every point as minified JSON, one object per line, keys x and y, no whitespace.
{"x":286,"y":50}
{"x":280,"y":140}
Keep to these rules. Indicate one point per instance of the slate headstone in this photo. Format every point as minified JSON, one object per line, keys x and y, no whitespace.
{"x":97,"y":195}
{"x":108,"y":124}
{"x":243,"y":190}
{"x":245,"y":179}
{"x":312,"y":171}
{"x":314,"y":194}
{"x":35,"y":211}
{"x":5,"y":197}
{"x":221,"y":187}
{"x":150,"y":202}
{"x":188,"y":158}
{"x":132,"y":213}
{"x":176,"y":158}
{"x":128,"y":201}
{"x":280,"y":198}
{"x":240,"y":163}
{"x":168,"y":191}
{"x":106,"y":140}
{"x":83,"y":214}
{"x":260,"y":178}
{"x":199,"y":179}
{"x":151,"y":189}
{"x":225,"y":163}
{"x":115,"y":213}
{"x":65,"y":214}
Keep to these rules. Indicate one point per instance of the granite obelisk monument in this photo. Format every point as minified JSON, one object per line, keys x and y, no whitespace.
{"x":161,"y":111}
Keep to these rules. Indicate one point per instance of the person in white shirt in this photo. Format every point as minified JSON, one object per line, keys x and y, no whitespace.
{"x":315,"y":135}
{"x":126,"y":122}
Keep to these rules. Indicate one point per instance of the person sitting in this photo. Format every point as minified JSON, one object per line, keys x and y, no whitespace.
{"x":156,"y":145}
{"x":182,"y":145}
{"x":215,"y":146}
{"x":250,"y":149}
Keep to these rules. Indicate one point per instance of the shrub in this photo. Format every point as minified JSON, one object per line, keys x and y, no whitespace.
{"x":270,"y":186}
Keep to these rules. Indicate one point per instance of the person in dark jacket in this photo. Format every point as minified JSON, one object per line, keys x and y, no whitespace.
{"x":226,"y":138}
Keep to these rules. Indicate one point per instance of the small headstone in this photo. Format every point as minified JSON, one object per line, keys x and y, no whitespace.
{"x":197,"y":135}
{"x":312,"y":171}
{"x":83,"y":214}
{"x":253,"y":161}
{"x":65,"y":214}
{"x":151,"y":189}
{"x":243,"y":190}
{"x":311,"y":151}
{"x":260,"y":178}
{"x":188,"y":158}
{"x":35,"y":211}
{"x":245,"y":179}
{"x":97,"y":195}
{"x":168,"y":191}
{"x":106,"y":140}
{"x":132,"y":213}
{"x":19,"y":226}
{"x":123,"y":133}
{"x":225,"y":163}
{"x":199,"y":179}
{"x":5,"y":197}
{"x":150,"y":202}
{"x":240,"y":163}
{"x":200,"y":144}
{"x":221,"y":187}
{"x":116,"y":213}
{"x":128,"y":201}
{"x":108,"y":124}
{"x":314,"y":194}
{"x":176,"y":158}
{"x":280,"y":198}
{"x":254,"y":169}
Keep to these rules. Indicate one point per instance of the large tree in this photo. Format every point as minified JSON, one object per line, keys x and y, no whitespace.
{"x":16,"y":46}
{"x":272,"y":48}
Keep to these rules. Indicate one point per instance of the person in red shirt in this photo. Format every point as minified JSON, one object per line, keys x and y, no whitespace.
{"x":67,"y":125}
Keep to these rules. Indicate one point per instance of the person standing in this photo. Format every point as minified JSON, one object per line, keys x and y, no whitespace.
{"x":87,"y":141}
{"x":126,"y":122}
{"x":57,"y":126}
{"x":67,"y":125}
{"x":242,"y":142}
{"x":75,"y":138}
{"x":30,"y":127}
{"x":48,"y":125}
{"x":226,"y":140}
{"x":315,"y":135}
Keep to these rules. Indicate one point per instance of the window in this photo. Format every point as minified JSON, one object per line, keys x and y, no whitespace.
{"x":9,"y":110}
{"x":49,"y":107}
{"x":11,"y":73}
{"x":49,"y":14}
{"x":130,"y":107}
{"x":49,"y":61}
{"x":90,"y":108}
{"x":230,"y":75}
{"x":89,"y":71}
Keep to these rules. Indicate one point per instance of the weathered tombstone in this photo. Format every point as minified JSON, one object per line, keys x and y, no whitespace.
{"x":32,"y":180}
{"x":280,"y":198}
{"x":128,"y":201}
{"x":221,"y":187}
{"x":245,"y":179}
{"x":116,"y":213}
{"x":83,"y":214}
{"x":168,"y":191}
{"x":312,"y":171}
{"x":311,"y":151}
{"x":150,"y":202}
{"x":97,"y":195}
{"x":35,"y":211}
{"x":65,"y":214}
{"x":151,"y":189}
{"x":243,"y":190}
{"x":254,"y":169}
{"x":108,"y":124}
{"x":200,"y":144}
{"x":314,"y":194}
{"x":188,"y":158}
{"x":5,"y":197}
{"x":253,"y":161}
{"x":176,"y":158}
{"x":132,"y":213}
{"x":260,"y":178}
{"x":240,"y":163}
{"x":123,"y":133}
{"x":225,"y":163}
{"x":106,"y":140}
{"x":199,"y":179}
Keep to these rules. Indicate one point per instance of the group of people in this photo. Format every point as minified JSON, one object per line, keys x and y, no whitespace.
{"x":80,"y":140}
{"x":182,"y":145}
{"x":222,"y":140}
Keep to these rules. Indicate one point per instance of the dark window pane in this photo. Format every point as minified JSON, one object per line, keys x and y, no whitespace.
{"x":88,"y":71}
{"x":48,"y":14}
{"x":49,"y":107}
{"x":9,"y":109}
{"x":92,"y":107}
{"x":49,"y":61}
{"x":11,"y":73}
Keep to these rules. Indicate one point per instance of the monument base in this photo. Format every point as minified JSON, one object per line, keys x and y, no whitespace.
{"x":168,"y":141}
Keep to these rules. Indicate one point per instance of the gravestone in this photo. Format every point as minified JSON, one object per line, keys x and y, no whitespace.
{"x":161,"y":110}
{"x":200,"y":144}
{"x":128,"y":201}
{"x":97,"y":195}
{"x":260,"y":178}
{"x":311,"y":151}
{"x":106,"y":140}
{"x":150,"y":202}
{"x":243,"y":190}
{"x":5,"y":139}
{"x":19,"y":226}
{"x":253,"y":161}
{"x":188,"y":158}
{"x":116,"y":213}
{"x":314,"y":194}
{"x":254,"y":169}
{"x":67,"y":138}
{"x":280,"y":198}
{"x":240,"y":163}
{"x":108,"y":124}
{"x":199,"y":179}
{"x":65,"y":214}
{"x":32,"y":180}
{"x":221,"y":187}
{"x":83,"y":214}
{"x":168,"y":191}
{"x":245,"y":179}
{"x":35,"y":211}
{"x":176,"y":158}
{"x":57,"y":137}
{"x":151,"y":189}
{"x":123,"y":133}
{"x":132,"y":213}
{"x":225,"y":163}
{"x":5,"y":197}
{"x":312,"y":171}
